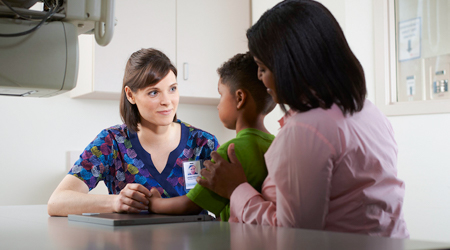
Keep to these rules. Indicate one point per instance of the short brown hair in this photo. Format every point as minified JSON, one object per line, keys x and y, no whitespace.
{"x":241,"y":72}
{"x":145,"y":67}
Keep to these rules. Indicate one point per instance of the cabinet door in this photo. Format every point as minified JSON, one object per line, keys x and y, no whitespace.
{"x":140,"y":24}
{"x":208,"y":34}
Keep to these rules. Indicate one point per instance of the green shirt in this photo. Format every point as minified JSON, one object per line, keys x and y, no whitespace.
{"x":250,"y":146}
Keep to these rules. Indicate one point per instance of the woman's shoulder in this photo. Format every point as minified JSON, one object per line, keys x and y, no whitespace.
{"x":119,"y":129}
{"x":320,"y":119}
{"x":197,"y":132}
{"x":337,"y":129}
{"x":116,"y":131}
{"x":332,"y":123}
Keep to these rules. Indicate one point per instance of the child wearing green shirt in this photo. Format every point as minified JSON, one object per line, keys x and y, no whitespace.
{"x":244,"y":103}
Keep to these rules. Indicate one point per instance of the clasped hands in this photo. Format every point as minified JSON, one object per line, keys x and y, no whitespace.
{"x":220,"y":176}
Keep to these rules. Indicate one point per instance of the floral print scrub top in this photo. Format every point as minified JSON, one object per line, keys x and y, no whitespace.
{"x":117,"y":158}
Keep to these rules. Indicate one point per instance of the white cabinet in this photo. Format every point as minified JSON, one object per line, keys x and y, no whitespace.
{"x":208,"y":34}
{"x":197,"y":35}
{"x":141,"y":24}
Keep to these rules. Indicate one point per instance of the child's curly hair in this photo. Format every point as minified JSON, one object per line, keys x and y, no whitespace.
{"x":241,"y":72}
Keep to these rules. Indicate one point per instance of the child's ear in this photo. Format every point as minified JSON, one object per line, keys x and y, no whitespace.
{"x":241,"y":98}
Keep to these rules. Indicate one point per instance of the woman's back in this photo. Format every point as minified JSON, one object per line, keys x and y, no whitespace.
{"x":355,"y":158}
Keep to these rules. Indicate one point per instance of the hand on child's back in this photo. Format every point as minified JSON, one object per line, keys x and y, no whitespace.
{"x":222,"y":177}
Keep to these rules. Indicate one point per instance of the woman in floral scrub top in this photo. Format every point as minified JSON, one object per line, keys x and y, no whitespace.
{"x":146,"y":151}
{"x":117,"y":158}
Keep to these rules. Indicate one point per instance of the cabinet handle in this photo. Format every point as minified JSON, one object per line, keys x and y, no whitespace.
{"x":185,"y":71}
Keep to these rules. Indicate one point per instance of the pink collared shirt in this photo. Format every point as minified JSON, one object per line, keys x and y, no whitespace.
{"x":329,"y":172}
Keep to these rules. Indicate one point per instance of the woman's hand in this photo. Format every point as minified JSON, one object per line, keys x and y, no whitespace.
{"x":222,"y":177}
{"x":132,"y":199}
{"x":153,"y":200}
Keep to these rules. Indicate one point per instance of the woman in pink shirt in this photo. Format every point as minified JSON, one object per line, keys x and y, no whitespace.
{"x":332,"y":165}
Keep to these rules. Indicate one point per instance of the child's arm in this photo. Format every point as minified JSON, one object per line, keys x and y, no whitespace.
{"x":175,"y":205}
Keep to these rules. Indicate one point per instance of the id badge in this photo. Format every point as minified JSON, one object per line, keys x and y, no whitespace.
{"x":191,"y":171}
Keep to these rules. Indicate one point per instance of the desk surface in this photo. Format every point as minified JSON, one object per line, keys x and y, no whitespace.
{"x":27,"y":227}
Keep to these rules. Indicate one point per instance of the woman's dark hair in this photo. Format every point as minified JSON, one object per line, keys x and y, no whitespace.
{"x":303,"y":45}
{"x":145,"y":67}
{"x":241,"y":72}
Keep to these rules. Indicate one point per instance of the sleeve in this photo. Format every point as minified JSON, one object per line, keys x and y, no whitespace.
{"x":300,"y":169}
{"x":216,"y":144}
{"x":206,"y":198}
{"x":249,"y":206}
{"x":95,"y":160}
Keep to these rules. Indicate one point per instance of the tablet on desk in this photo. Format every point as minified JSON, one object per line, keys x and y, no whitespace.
{"x":116,"y":219}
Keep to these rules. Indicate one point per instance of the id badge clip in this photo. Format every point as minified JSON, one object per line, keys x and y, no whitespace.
{"x":191,"y":170}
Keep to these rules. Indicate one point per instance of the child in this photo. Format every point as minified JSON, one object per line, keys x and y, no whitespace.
{"x":243,"y":105}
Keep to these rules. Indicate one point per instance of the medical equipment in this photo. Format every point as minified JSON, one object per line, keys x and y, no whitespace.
{"x":39,"y":48}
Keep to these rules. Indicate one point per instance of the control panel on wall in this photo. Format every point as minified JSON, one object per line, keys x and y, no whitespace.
{"x":412,"y":59}
{"x":423,"y":55}
{"x":424,"y":79}
{"x":437,"y":77}
{"x":410,"y":85}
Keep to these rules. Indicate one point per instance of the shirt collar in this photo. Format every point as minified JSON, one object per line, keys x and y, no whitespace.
{"x":285,"y":118}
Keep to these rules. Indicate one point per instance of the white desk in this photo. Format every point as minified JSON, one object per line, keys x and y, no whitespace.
{"x":30,"y":227}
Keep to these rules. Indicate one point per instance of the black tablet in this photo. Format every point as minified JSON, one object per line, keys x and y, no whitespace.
{"x":118,"y":219}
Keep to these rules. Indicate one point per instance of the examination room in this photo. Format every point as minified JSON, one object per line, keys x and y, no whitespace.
{"x":66,"y":96}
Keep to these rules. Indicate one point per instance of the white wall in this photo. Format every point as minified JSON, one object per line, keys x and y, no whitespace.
{"x":36,"y":133}
{"x":423,"y":163}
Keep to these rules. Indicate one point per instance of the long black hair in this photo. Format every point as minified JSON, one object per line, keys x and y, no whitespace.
{"x":303,"y":45}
